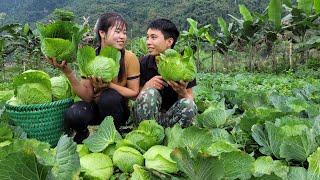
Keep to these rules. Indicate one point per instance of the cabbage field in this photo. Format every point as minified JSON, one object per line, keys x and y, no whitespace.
{"x":249,"y":126}
{"x":257,"y":93}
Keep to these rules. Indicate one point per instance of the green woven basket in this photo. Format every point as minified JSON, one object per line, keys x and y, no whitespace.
{"x":41,"y":121}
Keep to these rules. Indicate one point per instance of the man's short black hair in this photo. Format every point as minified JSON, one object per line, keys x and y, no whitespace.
{"x":168,"y":29}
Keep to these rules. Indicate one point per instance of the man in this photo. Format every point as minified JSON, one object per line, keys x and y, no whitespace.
{"x":167,"y":102}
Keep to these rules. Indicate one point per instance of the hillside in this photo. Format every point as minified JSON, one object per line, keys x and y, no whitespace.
{"x":137,"y":12}
{"x":23,"y":11}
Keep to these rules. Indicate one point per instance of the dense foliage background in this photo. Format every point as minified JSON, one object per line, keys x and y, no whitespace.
{"x":137,"y":12}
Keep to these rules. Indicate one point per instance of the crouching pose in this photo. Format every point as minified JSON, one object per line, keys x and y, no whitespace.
{"x":98,"y":98}
{"x":167,"y":102}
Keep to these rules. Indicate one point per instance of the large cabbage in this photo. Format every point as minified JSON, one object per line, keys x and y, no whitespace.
{"x":148,"y":134}
{"x":33,"y":93}
{"x":96,"y":166}
{"x":61,"y":88}
{"x":60,"y":39}
{"x":32,"y":76}
{"x":158,"y":158}
{"x":33,"y":87}
{"x":59,"y":48}
{"x":173,"y":66}
{"x":105,"y":66}
{"x":125,"y":157}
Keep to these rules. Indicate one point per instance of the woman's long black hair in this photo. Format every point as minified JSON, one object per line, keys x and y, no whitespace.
{"x":104,"y":22}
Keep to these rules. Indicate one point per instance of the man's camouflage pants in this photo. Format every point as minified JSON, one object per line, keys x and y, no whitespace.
{"x":148,"y":103}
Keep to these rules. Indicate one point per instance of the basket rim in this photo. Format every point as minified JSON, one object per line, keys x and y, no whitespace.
{"x":37,"y":106}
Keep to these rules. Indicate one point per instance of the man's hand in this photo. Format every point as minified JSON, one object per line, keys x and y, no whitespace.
{"x":180,"y":87}
{"x":156,"y":82}
{"x":98,"y":84}
{"x":63,"y":66}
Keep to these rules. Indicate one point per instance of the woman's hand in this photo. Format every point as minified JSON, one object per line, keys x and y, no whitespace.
{"x":180,"y":87}
{"x":98,"y":84}
{"x":156,"y":82}
{"x":63,"y":66}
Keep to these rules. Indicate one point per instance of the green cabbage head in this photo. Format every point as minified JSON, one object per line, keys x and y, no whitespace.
{"x":173,"y":66}
{"x":33,"y":93}
{"x":148,"y":134}
{"x":158,"y":158}
{"x":33,"y":87}
{"x":60,"y":39}
{"x":96,"y":166}
{"x":61,"y":88}
{"x":105,"y":66}
{"x":125,"y":157}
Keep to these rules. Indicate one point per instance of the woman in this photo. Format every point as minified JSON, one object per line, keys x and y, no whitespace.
{"x":100,"y":99}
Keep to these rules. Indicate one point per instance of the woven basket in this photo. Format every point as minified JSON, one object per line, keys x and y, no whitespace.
{"x":41,"y":121}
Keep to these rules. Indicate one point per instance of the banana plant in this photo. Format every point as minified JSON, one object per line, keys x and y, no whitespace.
{"x":281,"y":17}
{"x":302,"y":20}
{"x":317,"y":6}
{"x":275,"y":11}
{"x":312,"y":43}
{"x":224,"y":37}
{"x":247,"y":27}
{"x":248,"y":32}
{"x":195,"y":36}
{"x":306,"y":6}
